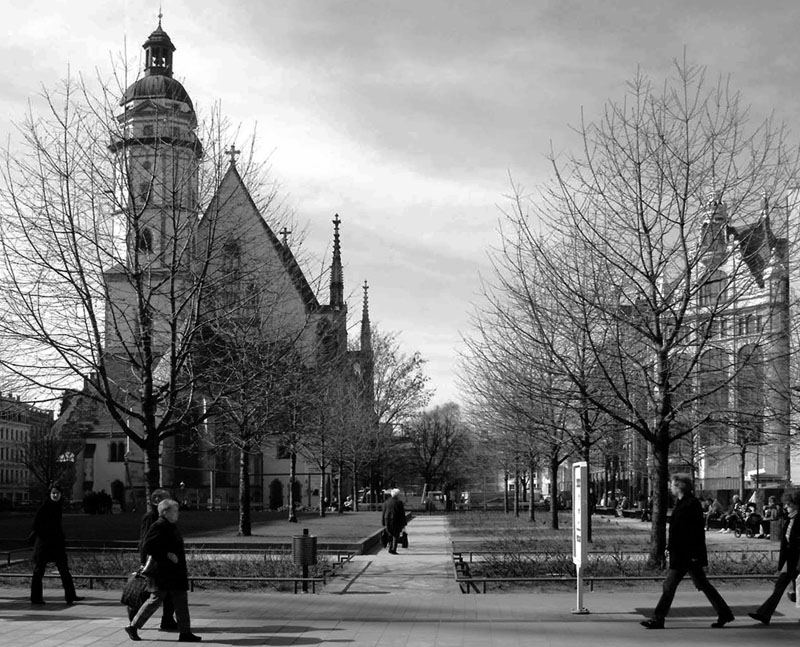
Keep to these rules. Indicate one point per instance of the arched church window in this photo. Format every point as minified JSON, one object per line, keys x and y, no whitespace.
{"x":145,"y":240}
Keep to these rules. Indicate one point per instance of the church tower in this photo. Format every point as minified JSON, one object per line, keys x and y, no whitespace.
{"x":159,"y":158}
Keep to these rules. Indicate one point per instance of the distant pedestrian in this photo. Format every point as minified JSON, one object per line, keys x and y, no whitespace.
{"x":165,"y":544}
{"x":687,"y":554}
{"x":50,"y":546}
{"x":788,"y":558}
{"x":148,"y":519}
{"x":394,"y":519}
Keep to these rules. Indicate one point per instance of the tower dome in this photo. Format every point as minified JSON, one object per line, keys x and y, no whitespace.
{"x":157,"y":82}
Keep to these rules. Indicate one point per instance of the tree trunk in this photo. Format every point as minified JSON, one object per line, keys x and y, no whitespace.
{"x":244,"y":492}
{"x":742,"y":458}
{"x":321,"y":492}
{"x":292,"y":480}
{"x":554,"y":492}
{"x":516,"y":493}
{"x":152,"y":479}
{"x":531,"y":513}
{"x":658,"y":529}
{"x":339,"y":502}
{"x":355,"y":490}
{"x":505,"y":492}
{"x":586,"y":454}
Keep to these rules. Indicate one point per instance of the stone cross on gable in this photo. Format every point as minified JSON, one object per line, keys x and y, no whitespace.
{"x":285,"y":235}
{"x":233,"y":152}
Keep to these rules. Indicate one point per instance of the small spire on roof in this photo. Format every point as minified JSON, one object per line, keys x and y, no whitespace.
{"x":337,"y":278}
{"x":366,"y":333}
{"x":160,"y":14}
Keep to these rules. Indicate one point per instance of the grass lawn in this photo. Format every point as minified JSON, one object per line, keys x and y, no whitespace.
{"x":200,"y":525}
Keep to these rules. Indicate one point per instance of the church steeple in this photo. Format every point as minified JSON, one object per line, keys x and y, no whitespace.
{"x":337,"y":278}
{"x":366,"y":334}
{"x":158,"y":52}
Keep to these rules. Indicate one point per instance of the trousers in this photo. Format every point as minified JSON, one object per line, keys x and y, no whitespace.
{"x":698,"y":575}
{"x":771,"y":603}
{"x":180,"y":600}
{"x":39,"y":568}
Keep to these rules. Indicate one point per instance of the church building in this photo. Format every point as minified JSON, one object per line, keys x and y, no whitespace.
{"x":251,"y":278}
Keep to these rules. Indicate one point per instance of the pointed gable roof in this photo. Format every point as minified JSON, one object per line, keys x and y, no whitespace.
{"x":231,"y":184}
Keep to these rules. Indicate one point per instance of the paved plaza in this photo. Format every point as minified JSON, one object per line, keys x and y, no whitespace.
{"x":402,"y":600}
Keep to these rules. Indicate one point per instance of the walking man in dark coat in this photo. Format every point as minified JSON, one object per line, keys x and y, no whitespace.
{"x":394,"y":519}
{"x":165,"y":543}
{"x":50,"y":546}
{"x":687,"y":554}
{"x":788,"y":559}
{"x":148,"y":519}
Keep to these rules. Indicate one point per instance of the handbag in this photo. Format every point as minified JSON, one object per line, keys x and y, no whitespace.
{"x":150,"y":567}
{"x":134,"y":592}
{"x":385,"y":538}
{"x":404,"y":539}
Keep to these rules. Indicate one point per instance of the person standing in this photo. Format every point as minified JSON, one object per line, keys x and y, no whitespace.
{"x":165,"y":544}
{"x":50,"y":546}
{"x":148,"y":519}
{"x":394,"y":519}
{"x":788,"y":558}
{"x":687,"y":555}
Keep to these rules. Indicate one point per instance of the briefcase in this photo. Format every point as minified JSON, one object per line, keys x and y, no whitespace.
{"x":404,"y":539}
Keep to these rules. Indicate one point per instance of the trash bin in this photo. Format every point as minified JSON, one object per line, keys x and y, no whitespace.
{"x":304,"y":549}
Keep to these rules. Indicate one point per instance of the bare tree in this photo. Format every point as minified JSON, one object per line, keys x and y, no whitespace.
{"x":638,"y":258}
{"x":104,"y":273}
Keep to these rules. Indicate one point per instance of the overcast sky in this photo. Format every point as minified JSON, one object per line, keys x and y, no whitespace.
{"x":407,"y":118}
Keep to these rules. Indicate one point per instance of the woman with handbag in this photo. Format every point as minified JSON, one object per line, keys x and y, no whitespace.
{"x":166,"y":572}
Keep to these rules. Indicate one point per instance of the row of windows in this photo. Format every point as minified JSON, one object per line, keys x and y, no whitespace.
{"x":164,"y":131}
{"x":18,"y":476}
{"x":10,"y":454}
{"x":747,"y":325}
{"x":17,"y":435}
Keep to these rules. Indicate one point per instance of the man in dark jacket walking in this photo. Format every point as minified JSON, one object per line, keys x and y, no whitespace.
{"x":148,"y":519}
{"x":165,"y":544}
{"x":687,"y":554}
{"x":394,"y":519}
{"x":788,"y":559}
{"x":50,"y":546}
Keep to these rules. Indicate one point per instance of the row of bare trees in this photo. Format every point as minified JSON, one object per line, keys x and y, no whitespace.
{"x":122,"y":282}
{"x":615,"y":284}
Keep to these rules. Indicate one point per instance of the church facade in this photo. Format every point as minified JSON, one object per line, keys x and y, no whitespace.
{"x":251,"y":277}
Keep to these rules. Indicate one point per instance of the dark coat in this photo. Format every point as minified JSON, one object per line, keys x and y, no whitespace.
{"x":790,"y":549}
{"x":687,"y":536}
{"x":49,"y":543}
{"x":164,"y":537}
{"x":394,"y":516}
{"x":148,"y":519}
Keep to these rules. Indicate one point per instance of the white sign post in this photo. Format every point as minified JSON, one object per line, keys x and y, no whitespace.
{"x":580,"y":523}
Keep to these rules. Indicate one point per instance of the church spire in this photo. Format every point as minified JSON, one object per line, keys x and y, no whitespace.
{"x":366,"y":334}
{"x":337,"y":278}
{"x":158,"y":50}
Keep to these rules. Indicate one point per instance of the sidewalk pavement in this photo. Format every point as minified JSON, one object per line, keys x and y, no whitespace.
{"x":406,"y":600}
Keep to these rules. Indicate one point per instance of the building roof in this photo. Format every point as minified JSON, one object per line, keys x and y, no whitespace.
{"x":156,"y":86}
